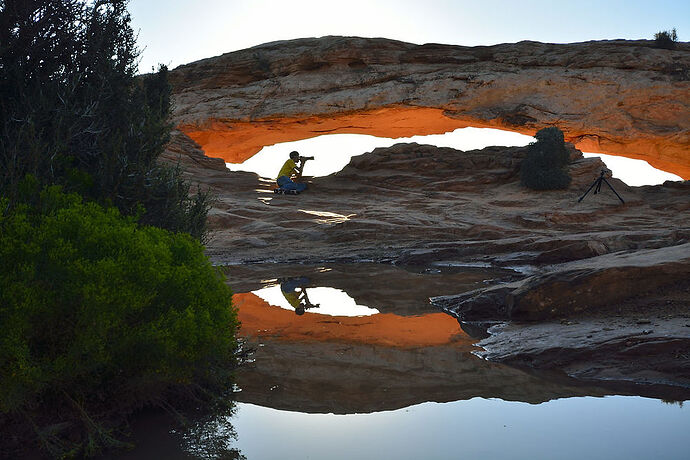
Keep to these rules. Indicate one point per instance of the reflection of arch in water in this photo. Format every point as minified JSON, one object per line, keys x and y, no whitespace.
{"x":260,"y":319}
{"x":323,"y":364}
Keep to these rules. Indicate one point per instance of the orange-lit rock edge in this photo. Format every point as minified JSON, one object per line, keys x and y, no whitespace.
{"x":259,"y":319}
{"x":236,"y":141}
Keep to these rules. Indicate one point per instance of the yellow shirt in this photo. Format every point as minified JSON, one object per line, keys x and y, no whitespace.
{"x":292,"y":298}
{"x":287,"y":168}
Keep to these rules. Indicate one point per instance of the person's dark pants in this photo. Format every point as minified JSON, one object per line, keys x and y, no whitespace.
{"x":286,"y":183}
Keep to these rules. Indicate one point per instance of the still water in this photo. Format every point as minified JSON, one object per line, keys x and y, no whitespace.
{"x":573,"y":428}
{"x":351,"y":361}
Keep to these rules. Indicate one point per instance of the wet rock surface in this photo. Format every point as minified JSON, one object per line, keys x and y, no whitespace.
{"x":645,"y":340}
{"x":573,"y":287}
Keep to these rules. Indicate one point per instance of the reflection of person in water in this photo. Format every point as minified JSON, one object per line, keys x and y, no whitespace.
{"x":295,"y":292}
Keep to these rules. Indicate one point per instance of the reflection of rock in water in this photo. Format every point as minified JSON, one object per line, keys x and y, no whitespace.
{"x":385,"y":287}
{"x":476,"y":330}
{"x":318,"y":363}
{"x":348,"y":378}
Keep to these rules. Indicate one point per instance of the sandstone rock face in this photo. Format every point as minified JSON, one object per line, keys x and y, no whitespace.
{"x":570,"y":288}
{"x":653,"y":350}
{"x":618,"y":97}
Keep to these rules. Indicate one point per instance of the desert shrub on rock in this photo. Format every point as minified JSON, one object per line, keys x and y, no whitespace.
{"x":666,"y":39}
{"x":545,"y":167}
{"x":101,"y":316}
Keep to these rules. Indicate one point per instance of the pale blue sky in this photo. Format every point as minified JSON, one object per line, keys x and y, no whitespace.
{"x":176,"y":32}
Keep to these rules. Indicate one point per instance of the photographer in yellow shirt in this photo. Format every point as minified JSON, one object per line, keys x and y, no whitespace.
{"x":289,"y":169}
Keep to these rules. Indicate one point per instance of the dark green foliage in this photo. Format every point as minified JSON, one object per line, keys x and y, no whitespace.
{"x":666,"y":39}
{"x":73,"y":113}
{"x":545,"y":167}
{"x":100,"y":316}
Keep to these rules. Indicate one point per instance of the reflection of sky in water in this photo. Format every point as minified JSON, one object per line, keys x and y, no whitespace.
{"x":333,"y":151}
{"x":331,"y":301}
{"x":575,"y":428}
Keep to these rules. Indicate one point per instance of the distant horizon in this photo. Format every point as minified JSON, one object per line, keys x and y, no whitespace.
{"x":342,"y":147}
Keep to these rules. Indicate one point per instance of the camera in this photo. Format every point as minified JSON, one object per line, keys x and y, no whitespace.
{"x":305,"y":158}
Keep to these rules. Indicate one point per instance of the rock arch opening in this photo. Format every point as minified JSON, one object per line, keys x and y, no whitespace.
{"x":332,"y":152}
{"x":255,"y":145}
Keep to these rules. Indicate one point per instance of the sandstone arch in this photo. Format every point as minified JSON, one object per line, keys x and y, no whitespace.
{"x":617,"y":97}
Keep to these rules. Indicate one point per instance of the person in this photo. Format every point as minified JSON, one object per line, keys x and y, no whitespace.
{"x":295,"y":292}
{"x":289,"y":169}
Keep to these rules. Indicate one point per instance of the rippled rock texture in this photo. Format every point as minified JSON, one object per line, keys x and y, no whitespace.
{"x":619,"y":97}
{"x":570,"y":288}
{"x":420,"y":204}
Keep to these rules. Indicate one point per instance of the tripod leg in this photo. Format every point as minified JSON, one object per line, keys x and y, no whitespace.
{"x":619,"y":197}
{"x":590,"y":188}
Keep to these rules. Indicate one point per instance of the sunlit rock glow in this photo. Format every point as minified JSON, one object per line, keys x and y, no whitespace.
{"x":260,"y":319}
{"x":235,"y":141}
{"x":615,"y":97}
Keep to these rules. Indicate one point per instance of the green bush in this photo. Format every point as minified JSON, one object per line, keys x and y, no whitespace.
{"x":666,"y":39}
{"x":74,"y":113}
{"x":100,"y":316}
{"x":545,"y":167}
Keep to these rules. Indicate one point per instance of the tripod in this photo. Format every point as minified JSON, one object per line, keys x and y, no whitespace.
{"x":597,"y":187}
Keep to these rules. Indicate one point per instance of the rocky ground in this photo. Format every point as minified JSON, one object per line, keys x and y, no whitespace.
{"x":598,"y":288}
